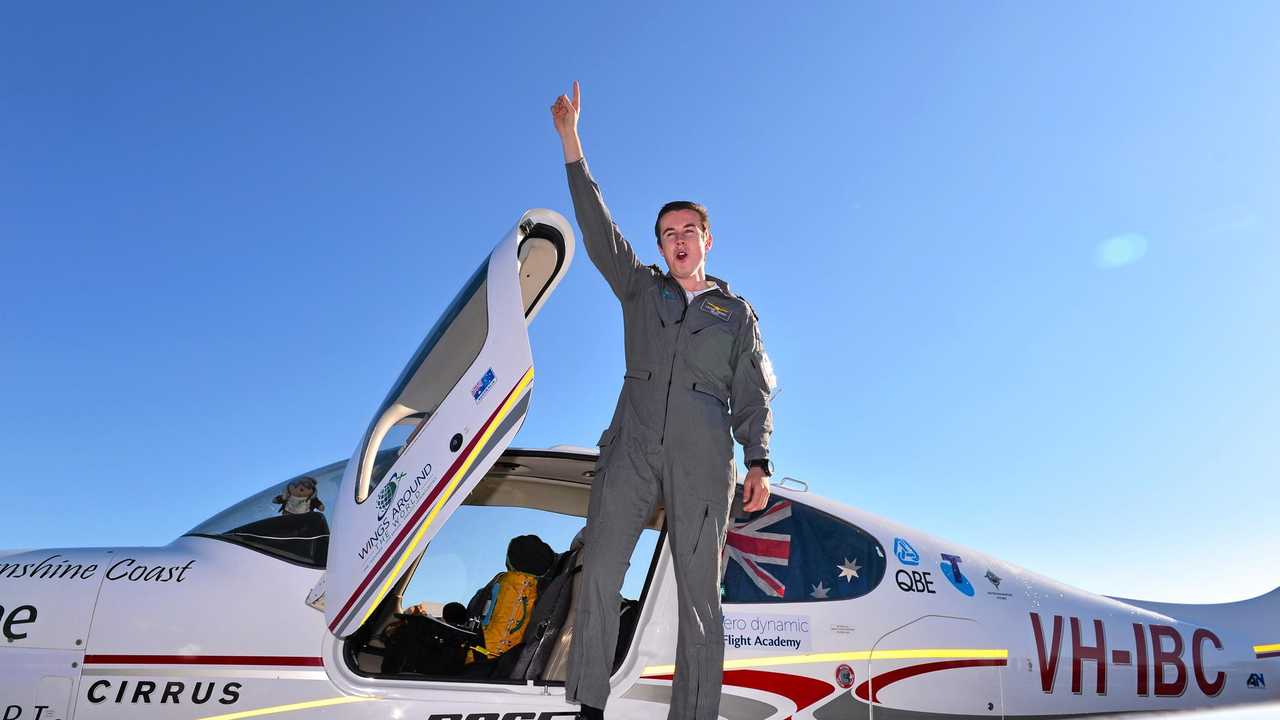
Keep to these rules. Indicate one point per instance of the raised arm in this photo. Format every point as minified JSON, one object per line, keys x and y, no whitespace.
{"x":609,"y":251}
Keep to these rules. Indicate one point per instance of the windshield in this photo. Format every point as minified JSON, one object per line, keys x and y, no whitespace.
{"x":437,"y":366}
{"x":288,"y":520}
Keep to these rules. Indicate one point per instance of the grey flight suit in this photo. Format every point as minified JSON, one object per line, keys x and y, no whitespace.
{"x":695,"y":370}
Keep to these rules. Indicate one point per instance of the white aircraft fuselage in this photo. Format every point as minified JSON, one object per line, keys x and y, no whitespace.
{"x":285,"y":607}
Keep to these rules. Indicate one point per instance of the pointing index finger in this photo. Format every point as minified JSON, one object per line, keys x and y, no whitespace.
{"x":577,"y":96}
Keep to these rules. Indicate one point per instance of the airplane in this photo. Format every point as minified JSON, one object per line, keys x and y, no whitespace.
{"x":340,"y":593}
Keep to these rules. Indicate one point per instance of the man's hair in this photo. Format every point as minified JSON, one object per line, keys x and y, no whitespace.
{"x":682,"y":205}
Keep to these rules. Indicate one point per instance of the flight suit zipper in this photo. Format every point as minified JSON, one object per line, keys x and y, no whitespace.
{"x":675,"y":350}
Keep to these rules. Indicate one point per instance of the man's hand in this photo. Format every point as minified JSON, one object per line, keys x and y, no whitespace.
{"x":565,"y":112}
{"x":564,"y":115}
{"x":755,"y":490}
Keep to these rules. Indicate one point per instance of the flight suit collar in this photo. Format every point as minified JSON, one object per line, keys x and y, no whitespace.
{"x":722,"y":285}
{"x":674,"y":307}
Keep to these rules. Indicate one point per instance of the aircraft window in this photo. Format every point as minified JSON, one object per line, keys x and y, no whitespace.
{"x":428,"y":377}
{"x":790,"y":552}
{"x":287,"y":520}
{"x":469,"y":550}
{"x":501,"y":578}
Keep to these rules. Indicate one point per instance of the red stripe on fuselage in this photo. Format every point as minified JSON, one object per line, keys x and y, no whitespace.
{"x":879,"y":682}
{"x":413,"y":521}
{"x":799,"y":689}
{"x":255,"y":660}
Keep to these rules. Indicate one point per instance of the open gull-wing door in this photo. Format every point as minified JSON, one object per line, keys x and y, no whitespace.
{"x":453,"y":410}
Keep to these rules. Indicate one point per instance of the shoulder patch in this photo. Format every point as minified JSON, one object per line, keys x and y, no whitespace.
{"x":716,"y":309}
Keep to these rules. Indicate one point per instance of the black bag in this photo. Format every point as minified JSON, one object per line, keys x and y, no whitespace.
{"x":421,"y":644}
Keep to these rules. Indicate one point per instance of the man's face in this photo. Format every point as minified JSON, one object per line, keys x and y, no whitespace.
{"x":683,"y":243}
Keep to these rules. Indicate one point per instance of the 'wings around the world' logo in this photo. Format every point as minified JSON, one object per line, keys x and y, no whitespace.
{"x":387,"y":494}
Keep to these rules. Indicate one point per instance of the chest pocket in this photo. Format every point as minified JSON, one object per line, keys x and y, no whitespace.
{"x":667,"y":306}
{"x":711,"y":348}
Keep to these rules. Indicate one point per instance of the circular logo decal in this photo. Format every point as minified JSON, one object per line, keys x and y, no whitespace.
{"x":844,"y":676}
{"x":387,"y":495}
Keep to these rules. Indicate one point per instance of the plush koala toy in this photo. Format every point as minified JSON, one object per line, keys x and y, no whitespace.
{"x":299,"y":497}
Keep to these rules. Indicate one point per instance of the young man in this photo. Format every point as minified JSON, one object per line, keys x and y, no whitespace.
{"x":696,"y":370}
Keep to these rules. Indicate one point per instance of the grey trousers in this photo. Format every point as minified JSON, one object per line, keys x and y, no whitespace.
{"x":633,"y":478}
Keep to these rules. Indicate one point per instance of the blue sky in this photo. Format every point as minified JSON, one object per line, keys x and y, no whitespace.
{"x":1014,"y":262}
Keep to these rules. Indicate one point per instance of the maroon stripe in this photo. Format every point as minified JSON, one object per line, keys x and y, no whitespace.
{"x":413,"y":521}
{"x":879,"y":682}
{"x":1265,"y":655}
{"x":799,"y":689}
{"x":272,"y":660}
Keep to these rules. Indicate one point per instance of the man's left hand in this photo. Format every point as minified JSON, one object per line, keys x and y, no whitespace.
{"x":755,"y":490}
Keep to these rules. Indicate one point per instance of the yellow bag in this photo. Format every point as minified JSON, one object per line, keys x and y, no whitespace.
{"x":506,"y":614}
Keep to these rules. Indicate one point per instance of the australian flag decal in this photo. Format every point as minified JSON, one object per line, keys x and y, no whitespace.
{"x":788,"y":553}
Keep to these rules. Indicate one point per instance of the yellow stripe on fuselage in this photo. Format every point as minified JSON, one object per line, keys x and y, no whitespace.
{"x":289,"y":708}
{"x":810,"y":658}
{"x":512,"y":399}
{"x":1273,"y":647}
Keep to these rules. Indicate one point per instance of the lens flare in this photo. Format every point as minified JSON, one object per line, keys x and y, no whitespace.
{"x":1120,"y":250}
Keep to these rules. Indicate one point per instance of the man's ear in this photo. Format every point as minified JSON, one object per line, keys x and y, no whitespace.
{"x":708,"y":240}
